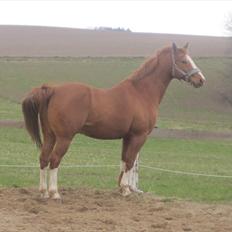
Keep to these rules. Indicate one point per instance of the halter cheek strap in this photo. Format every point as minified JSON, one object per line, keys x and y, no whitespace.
{"x":184,"y":75}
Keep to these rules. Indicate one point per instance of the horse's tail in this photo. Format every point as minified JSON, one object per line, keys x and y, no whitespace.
{"x":35,"y":104}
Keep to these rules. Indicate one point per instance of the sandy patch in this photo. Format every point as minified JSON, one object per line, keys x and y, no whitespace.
{"x":97,"y":210}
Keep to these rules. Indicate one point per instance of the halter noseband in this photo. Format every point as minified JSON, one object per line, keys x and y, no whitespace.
{"x":185,"y":75}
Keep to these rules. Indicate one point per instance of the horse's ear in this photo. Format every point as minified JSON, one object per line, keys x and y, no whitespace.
{"x":174,"y":47}
{"x":186,"y":46}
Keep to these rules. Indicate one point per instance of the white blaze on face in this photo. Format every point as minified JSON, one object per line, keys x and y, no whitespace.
{"x":191,"y":61}
{"x":194,"y":66}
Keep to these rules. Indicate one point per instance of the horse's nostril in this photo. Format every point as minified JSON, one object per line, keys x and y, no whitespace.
{"x":202,"y":81}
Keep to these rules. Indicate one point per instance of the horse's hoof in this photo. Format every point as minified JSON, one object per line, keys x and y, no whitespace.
{"x":136,"y":190}
{"x":54,"y":195}
{"x":44,"y":194}
{"x":125,"y":191}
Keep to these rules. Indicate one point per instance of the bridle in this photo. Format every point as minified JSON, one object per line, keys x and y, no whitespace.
{"x":185,"y":75}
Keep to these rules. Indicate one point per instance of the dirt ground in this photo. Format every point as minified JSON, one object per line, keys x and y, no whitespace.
{"x":97,"y":210}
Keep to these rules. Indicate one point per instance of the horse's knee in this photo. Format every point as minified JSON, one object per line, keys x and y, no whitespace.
{"x":43,"y":162}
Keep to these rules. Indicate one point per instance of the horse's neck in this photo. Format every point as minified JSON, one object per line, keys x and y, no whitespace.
{"x":154,"y":85}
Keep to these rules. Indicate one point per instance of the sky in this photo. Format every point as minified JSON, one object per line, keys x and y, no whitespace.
{"x":178,"y":17}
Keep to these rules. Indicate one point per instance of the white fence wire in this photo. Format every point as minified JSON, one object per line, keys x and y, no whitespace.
{"x":113,"y":165}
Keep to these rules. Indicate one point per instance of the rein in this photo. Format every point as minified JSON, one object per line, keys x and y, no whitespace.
{"x":185,"y":75}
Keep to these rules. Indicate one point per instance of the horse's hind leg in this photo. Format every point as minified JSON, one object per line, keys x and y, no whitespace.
{"x":49,"y":142}
{"x":62,"y":145}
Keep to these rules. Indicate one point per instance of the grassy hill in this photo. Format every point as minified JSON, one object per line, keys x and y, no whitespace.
{"x":206,"y":108}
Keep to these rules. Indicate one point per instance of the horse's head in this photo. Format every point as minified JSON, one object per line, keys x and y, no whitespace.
{"x":183,"y":67}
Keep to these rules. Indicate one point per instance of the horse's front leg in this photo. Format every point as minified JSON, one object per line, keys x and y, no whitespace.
{"x":131,"y":147}
{"x":134,"y":177}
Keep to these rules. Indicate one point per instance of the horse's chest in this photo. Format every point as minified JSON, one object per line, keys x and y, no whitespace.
{"x":145,"y":121}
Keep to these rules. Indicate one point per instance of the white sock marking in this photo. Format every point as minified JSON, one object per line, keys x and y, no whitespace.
{"x":125,"y":179}
{"x":130,"y":178}
{"x":43,"y":186}
{"x":133,"y":181}
{"x":43,"y":180}
{"x":123,"y":166}
{"x":53,"y":180}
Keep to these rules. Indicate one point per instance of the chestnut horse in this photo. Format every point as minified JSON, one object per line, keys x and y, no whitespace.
{"x":128,"y":111}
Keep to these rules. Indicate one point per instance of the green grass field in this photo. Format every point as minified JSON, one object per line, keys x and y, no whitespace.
{"x":209,"y":157}
{"x":183,"y":107}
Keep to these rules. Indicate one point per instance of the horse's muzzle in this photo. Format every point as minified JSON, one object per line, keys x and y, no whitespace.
{"x":197,"y":80}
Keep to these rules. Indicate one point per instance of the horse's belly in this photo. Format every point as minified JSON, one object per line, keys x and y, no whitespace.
{"x":104,"y":131}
